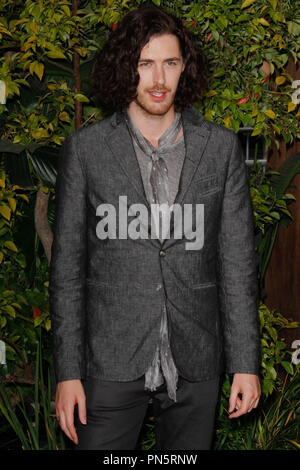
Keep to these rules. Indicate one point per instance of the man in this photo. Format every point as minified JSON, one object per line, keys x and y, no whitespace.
{"x":141,"y":312}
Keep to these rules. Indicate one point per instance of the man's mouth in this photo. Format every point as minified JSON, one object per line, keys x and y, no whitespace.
{"x":158,"y":95}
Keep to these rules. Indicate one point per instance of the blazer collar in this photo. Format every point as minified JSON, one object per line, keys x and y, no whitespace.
{"x":196,"y":132}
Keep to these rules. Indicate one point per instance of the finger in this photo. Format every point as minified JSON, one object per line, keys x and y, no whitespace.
{"x":232,"y":400}
{"x":238,"y":403}
{"x":70,"y":424}
{"x":82,"y":410}
{"x":257,"y":400}
{"x":62,"y":423}
{"x":256,"y":403}
{"x":250,"y":407}
{"x":246,"y":400}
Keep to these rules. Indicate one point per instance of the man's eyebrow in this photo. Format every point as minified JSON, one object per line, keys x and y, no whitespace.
{"x":151,"y":60}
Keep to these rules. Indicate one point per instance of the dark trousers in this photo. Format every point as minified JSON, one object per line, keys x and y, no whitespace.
{"x":116,"y":412}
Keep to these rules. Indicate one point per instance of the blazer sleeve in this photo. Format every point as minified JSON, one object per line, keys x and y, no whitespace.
{"x":68,"y":264}
{"x":237,"y":270}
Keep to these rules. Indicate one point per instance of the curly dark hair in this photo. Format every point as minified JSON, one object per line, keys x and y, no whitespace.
{"x":115,"y":74}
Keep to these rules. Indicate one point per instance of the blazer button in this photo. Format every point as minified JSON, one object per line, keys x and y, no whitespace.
{"x":162,"y":253}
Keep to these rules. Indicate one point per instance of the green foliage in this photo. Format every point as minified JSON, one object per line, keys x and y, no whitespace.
{"x":275,"y":354}
{"x":279,"y":426}
{"x":274,"y":426}
{"x":30,"y":429}
{"x":23,"y":306}
{"x":270,"y":204}
{"x":39,"y":40}
{"x":11,"y":259}
{"x":239,"y":39}
{"x":268,"y":207}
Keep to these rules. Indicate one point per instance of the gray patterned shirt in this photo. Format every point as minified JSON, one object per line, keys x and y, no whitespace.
{"x":162,"y":365}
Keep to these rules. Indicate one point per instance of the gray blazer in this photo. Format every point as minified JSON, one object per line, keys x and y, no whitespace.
{"x":106,"y":294}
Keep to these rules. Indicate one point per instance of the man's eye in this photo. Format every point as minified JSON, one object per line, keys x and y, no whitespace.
{"x":172,"y":62}
{"x":144,"y":64}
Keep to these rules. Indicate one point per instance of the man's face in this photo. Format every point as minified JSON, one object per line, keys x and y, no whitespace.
{"x":160,"y":66}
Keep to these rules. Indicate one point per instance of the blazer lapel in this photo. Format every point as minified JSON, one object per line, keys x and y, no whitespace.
{"x":120,"y":143}
{"x":196,"y":135}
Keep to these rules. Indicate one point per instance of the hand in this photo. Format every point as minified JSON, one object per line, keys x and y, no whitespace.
{"x":248,"y":386}
{"x":68,"y":394}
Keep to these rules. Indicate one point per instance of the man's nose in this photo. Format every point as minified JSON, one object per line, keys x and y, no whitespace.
{"x":159,"y":75}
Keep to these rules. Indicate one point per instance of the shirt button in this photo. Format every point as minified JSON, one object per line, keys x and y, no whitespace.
{"x":158,"y":287}
{"x":162,"y":253}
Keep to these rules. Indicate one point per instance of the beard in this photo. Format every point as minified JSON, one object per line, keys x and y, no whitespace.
{"x":155,"y":108}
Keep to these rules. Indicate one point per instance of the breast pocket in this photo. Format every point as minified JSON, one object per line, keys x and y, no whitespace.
{"x":206,"y":185}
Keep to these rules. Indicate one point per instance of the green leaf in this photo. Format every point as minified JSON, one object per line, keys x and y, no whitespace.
{"x":278,"y":16}
{"x":289,"y":196}
{"x":5,"y":211}
{"x":11,"y":246}
{"x":273,"y":4}
{"x":261,"y":117}
{"x":10,"y":310}
{"x":275,"y":215}
{"x":287,"y":171}
{"x":272,"y":332}
{"x":288,"y":367}
{"x":48,"y":324}
{"x":38,"y":321}
{"x":263,"y":21}
{"x":282,"y":59}
{"x":223,"y":20}
{"x":56,"y":54}
{"x":291,"y":106}
{"x":267,"y":386}
{"x":280,"y":80}
{"x":270,"y":113}
{"x":276,"y":128}
{"x":272,"y":372}
{"x":66,"y":9}
{"x":216,"y":36}
{"x":39,"y":70}
{"x":64,"y":116}
{"x":294,"y":28}
{"x":80,"y":97}
{"x":257,"y":130}
{"x":247,"y":3}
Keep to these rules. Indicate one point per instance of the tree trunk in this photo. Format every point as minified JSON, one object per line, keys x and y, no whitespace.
{"x":41,"y":221}
{"x":41,"y":207}
{"x":77,"y":79}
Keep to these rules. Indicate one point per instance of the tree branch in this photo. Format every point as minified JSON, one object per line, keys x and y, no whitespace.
{"x":41,"y":221}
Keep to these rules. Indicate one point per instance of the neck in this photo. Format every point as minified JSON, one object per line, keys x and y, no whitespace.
{"x":152,"y":126}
